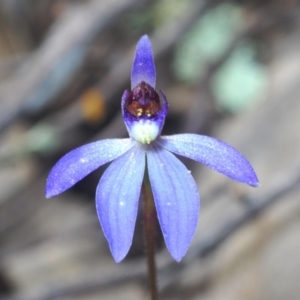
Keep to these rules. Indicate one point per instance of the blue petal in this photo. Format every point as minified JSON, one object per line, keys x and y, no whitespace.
{"x":176,"y":198}
{"x":213,"y":153}
{"x":143,"y":68}
{"x":78,"y":163}
{"x":117,"y":198}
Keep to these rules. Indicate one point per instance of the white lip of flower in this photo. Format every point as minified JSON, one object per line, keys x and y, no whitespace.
{"x":144,"y":131}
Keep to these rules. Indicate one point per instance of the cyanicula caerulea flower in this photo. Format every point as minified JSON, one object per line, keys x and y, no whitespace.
{"x":174,"y":190}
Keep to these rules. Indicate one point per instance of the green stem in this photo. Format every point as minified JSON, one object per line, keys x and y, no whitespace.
{"x":150,"y":220}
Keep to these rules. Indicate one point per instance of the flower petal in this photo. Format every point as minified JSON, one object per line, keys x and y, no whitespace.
{"x":213,"y":153}
{"x":117,"y":198}
{"x":176,"y":198}
{"x":78,"y":163}
{"x":143,"y":68}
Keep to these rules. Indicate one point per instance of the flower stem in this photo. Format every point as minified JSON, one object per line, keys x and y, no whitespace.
{"x":150,"y":220}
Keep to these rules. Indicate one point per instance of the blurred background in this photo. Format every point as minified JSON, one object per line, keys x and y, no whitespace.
{"x":230,"y":69}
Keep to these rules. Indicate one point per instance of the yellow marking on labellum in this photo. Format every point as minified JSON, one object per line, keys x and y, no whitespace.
{"x":139,"y":112}
{"x":143,"y":101}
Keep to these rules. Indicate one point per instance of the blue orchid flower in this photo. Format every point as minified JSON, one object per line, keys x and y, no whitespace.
{"x":174,"y":190}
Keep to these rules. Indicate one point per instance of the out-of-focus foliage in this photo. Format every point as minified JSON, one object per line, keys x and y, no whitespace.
{"x":42,"y":139}
{"x":166,"y":10}
{"x":240,"y":81}
{"x":207,"y":41}
{"x":153,"y":17}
